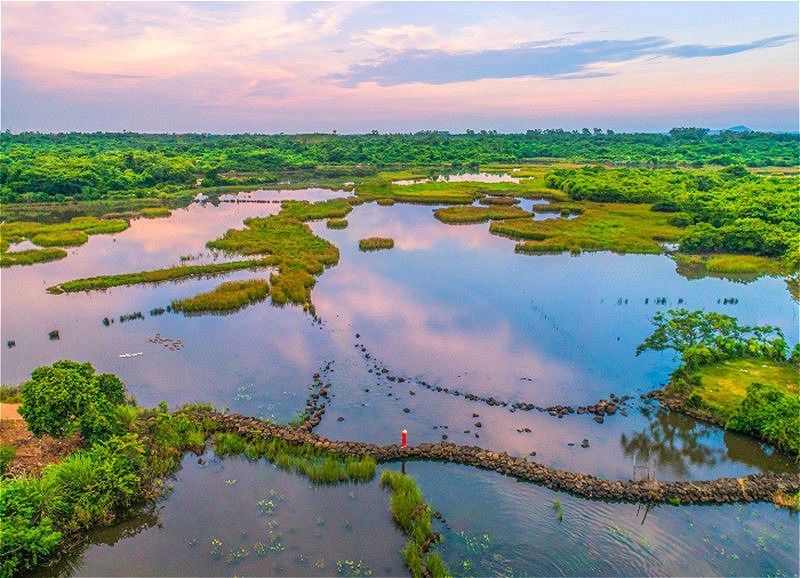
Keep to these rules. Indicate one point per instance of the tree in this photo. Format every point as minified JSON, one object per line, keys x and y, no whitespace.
{"x":67,"y":396}
{"x":703,"y":337}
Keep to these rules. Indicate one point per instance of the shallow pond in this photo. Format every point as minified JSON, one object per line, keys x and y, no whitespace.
{"x":452,"y":306}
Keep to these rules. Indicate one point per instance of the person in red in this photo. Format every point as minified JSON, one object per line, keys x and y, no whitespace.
{"x":403,"y":438}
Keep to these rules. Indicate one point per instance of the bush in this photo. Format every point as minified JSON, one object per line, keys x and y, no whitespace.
{"x":68,"y":396}
{"x":771,"y":414}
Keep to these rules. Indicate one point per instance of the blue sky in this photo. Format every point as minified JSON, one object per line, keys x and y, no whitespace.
{"x":354,"y":67}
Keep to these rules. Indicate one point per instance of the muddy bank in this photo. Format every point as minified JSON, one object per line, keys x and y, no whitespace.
{"x":752,"y":488}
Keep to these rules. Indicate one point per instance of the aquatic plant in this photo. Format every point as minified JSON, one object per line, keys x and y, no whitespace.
{"x":31,"y":256}
{"x":336,"y":223}
{"x":319,"y":466}
{"x":156,"y":276}
{"x":375,"y":244}
{"x":352,"y":568}
{"x":414,"y":516}
{"x":154,"y":212}
{"x":472,"y":214}
{"x":559,"y":510}
{"x":228,"y":296}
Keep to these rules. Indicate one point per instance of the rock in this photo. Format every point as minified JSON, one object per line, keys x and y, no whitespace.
{"x":585,"y":443}
{"x":598,"y":418}
{"x":444,"y":436}
{"x":340,"y":418}
{"x":478,"y":424}
{"x":475,"y":415}
{"x":406,"y":410}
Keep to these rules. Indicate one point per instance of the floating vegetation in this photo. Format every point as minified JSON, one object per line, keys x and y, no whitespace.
{"x":337,"y":223}
{"x":216,"y":548}
{"x":260,"y":548}
{"x":244,"y":393}
{"x":157,"y":311}
{"x":236,"y":556}
{"x":375,"y":244}
{"x":266,"y":507}
{"x":414,"y":516}
{"x":475,"y":544}
{"x":320,"y":564}
{"x":499,"y":201}
{"x":155,"y":276}
{"x":275,"y":542}
{"x":318,"y":465}
{"x":352,"y":568}
{"x":227,"y":296}
{"x":472,"y":214}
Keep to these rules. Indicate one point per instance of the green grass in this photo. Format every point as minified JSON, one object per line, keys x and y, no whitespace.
{"x":413,"y":516}
{"x":498,"y":201}
{"x":156,"y":276}
{"x":52,"y":237}
{"x":305,"y":211}
{"x":31,"y":257}
{"x":317,"y":465}
{"x":723,"y":386}
{"x":471,"y":214}
{"x":375,"y":244}
{"x":154,"y":212}
{"x":726,"y":264}
{"x":337,"y":223}
{"x":60,"y":238}
{"x":622,"y":228}
{"x":228,"y":296}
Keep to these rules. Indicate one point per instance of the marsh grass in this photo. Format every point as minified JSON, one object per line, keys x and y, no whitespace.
{"x":31,"y":257}
{"x":317,"y":465}
{"x":154,"y":212}
{"x":69,"y":234}
{"x":726,"y":264}
{"x":375,"y":244}
{"x":156,"y":276}
{"x":227,"y":296}
{"x":305,"y":211}
{"x":622,"y":228}
{"x":499,"y":201}
{"x":472,"y":214}
{"x":337,"y":223}
{"x":414,"y":516}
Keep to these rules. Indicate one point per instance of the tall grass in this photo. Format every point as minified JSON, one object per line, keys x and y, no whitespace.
{"x":227,"y":296}
{"x":414,"y":516}
{"x":156,"y":276}
{"x":375,"y":243}
{"x":470,"y":214}
{"x":317,"y":465}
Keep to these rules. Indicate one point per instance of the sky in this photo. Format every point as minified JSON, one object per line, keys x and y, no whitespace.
{"x":265,"y":67}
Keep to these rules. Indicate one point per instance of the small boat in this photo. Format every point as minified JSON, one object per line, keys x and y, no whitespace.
{"x":131,"y":354}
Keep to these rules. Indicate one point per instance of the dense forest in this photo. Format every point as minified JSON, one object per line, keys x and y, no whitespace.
{"x":55,"y":167}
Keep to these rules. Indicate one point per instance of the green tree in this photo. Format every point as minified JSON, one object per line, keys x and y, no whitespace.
{"x":68,"y":396}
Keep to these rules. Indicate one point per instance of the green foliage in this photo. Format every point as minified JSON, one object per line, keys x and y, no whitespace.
{"x":10,"y":394}
{"x":68,"y":396}
{"x":336,"y":223}
{"x":623,"y":228}
{"x":559,"y":510}
{"x":228,"y":296}
{"x":413,"y":516}
{"x":305,"y":211}
{"x":770,"y":413}
{"x":317,"y":465}
{"x":31,"y":257}
{"x":156,"y":276}
{"x":154,"y":212}
{"x":58,"y":167}
{"x":704,"y":337}
{"x":471,"y":214}
{"x":730,"y":211}
{"x":375,"y":244}
{"x":7,"y":454}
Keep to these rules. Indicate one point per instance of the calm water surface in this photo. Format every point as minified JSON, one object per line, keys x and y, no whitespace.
{"x":456,"y":307}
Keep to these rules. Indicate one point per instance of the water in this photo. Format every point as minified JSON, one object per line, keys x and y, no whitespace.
{"x":451,"y":305}
{"x":463,"y":178}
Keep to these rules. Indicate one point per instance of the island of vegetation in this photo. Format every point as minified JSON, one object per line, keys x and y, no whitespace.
{"x":225,"y":297}
{"x":375,"y":244}
{"x":738,"y":377}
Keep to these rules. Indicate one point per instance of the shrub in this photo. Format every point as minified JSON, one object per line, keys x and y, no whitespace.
{"x":769,"y":413}
{"x":68,"y":396}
